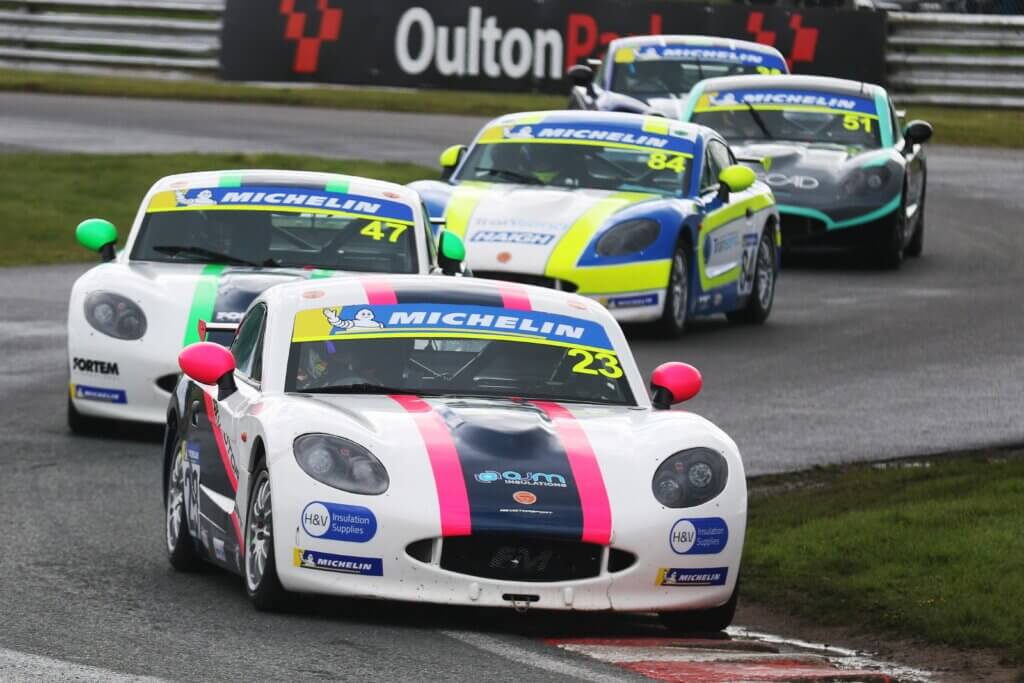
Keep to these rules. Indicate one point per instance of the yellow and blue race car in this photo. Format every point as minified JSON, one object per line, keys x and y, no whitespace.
{"x":653,"y":218}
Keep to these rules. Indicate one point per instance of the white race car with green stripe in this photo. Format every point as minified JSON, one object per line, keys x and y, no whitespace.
{"x":652,"y":218}
{"x":201,"y":248}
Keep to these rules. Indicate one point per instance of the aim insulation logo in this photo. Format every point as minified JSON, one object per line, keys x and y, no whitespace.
{"x":307,"y":51}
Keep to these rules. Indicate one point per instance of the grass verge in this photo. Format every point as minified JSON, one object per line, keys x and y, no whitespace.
{"x":953,"y":126}
{"x":46,"y":195}
{"x":929,"y":549}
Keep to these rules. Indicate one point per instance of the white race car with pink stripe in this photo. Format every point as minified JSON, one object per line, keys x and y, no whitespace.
{"x":451,"y":441}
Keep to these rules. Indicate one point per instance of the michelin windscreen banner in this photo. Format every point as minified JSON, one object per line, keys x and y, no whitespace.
{"x":513,"y":45}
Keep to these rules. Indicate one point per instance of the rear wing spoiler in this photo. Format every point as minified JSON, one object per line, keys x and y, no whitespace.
{"x":217,"y":332}
{"x":763,"y":162}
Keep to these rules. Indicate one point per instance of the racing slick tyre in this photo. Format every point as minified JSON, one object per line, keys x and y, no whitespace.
{"x":181,"y":549}
{"x":916,"y":245}
{"x":892,"y":238}
{"x":260,"y":575}
{"x":759,"y":304}
{"x":677,"y":294}
{"x":702,"y":620}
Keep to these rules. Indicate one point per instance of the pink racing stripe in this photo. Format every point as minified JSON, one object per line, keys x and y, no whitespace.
{"x":238,"y":530}
{"x":218,"y":438}
{"x":597,"y":513}
{"x":514,"y":296}
{"x":378,"y":291}
{"x":444,"y":461}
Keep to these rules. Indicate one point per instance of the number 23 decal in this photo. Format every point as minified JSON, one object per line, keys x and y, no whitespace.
{"x":609,"y":363}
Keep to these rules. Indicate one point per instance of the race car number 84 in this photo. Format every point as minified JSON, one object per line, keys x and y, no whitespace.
{"x":659,"y":161}
{"x":608,"y":363}
{"x":375,"y":231}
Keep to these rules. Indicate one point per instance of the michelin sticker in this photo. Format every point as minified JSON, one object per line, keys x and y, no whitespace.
{"x":700,"y":536}
{"x":337,"y":522}
{"x":792,"y":98}
{"x":676,"y":576}
{"x":363,"y":319}
{"x":85,"y":393}
{"x":342,"y":564}
{"x":286,"y":198}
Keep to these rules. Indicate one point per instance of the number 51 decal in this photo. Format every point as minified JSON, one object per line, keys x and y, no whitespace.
{"x":609,"y":363}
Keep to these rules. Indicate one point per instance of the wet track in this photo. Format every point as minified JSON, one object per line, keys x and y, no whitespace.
{"x":854,"y":364}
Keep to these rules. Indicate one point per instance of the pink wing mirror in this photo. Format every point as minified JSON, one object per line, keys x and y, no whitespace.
{"x":674,"y":383}
{"x":209,"y":363}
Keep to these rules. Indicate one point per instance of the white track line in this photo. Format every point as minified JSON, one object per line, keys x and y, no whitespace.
{"x":523,"y":656}
{"x":19,"y":666}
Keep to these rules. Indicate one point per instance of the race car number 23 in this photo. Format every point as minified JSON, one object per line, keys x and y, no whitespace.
{"x":607,"y":363}
{"x":377,"y":231}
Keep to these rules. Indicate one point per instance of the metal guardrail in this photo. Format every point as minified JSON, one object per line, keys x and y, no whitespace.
{"x":943,"y":59}
{"x":956,"y":59}
{"x":166,"y":38}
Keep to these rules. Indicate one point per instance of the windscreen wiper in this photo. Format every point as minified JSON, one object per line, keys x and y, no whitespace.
{"x":759,"y":121}
{"x":513,"y":175}
{"x":214,"y":256}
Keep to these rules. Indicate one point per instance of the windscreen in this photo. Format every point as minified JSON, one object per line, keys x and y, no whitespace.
{"x":582,"y":155}
{"x":667,"y":70}
{"x":790,"y":115}
{"x":454,"y":349}
{"x":279,"y":227}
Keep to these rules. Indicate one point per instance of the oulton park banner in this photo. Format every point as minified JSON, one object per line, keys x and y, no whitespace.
{"x":514,"y":45}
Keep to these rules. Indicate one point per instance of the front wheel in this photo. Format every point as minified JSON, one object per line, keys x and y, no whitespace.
{"x":759,"y":305}
{"x":261,"y":582}
{"x":677,"y":295}
{"x":892,"y":239}
{"x":181,"y":549}
{"x":916,"y":245}
{"x":702,"y":620}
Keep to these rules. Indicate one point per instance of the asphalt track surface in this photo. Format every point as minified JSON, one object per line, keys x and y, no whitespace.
{"x":854,"y":364}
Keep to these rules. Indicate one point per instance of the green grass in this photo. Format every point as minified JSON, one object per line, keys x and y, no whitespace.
{"x":421,"y":101}
{"x":979,"y":127}
{"x":932,"y":552}
{"x":46,"y":195}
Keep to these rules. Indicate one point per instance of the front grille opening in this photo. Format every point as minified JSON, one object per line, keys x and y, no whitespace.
{"x":523,"y":278}
{"x":797,"y":228}
{"x":168,"y":382}
{"x":519,"y":558}
{"x":620,"y":560}
{"x":520,"y":597}
{"x":420,"y":550}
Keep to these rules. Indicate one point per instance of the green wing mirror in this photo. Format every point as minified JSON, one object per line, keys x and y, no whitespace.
{"x":735,"y":178}
{"x":96,"y":234}
{"x":450,"y":158}
{"x":451,"y":252}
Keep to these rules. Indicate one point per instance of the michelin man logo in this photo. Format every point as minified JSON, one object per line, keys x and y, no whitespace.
{"x":525,"y":133}
{"x":363,"y":319}
{"x":204,"y":198}
{"x":722,"y":100}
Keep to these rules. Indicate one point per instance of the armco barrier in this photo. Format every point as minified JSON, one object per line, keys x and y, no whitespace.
{"x":113,"y":36}
{"x":928,"y":58}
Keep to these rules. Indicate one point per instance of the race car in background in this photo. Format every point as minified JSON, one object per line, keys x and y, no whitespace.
{"x":653,"y":218}
{"x":202,"y":246}
{"x":450,"y":441}
{"x":654,"y":74}
{"x":833,"y":152}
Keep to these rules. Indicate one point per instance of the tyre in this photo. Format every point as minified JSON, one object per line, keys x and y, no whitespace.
{"x":84,"y":425}
{"x":759,"y":305}
{"x":677,"y":294}
{"x":181,"y":548}
{"x":916,"y":244}
{"x":702,"y":620}
{"x":261,"y":582}
{"x":892,"y":238}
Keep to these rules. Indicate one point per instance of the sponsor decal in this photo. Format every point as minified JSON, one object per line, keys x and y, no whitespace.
{"x":632,"y":300}
{"x":98,"y":367}
{"x":524,"y":497}
{"x":518,"y":479}
{"x":102,"y":394}
{"x":673,"y":139}
{"x":675,"y":576}
{"x":342,"y":564}
{"x":700,"y":536}
{"x":795,"y":99}
{"x":797,"y":182}
{"x":228,"y":316}
{"x":436,"y":319}
{"x":192,"y":451}
{"x":707,"y":54}
{"x":338,"y":522}
{"x":218,"y":550}
{"x":512,"y":237}
{"x":724,"y":243}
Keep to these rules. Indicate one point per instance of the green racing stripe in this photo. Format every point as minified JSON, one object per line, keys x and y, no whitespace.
{"x":202,"y":301}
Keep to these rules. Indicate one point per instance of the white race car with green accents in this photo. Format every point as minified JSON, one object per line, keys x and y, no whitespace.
{"x":652,"y":218}
{"x":202,"y":247}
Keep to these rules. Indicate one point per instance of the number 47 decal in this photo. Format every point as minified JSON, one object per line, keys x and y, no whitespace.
{"x":375,"y":230}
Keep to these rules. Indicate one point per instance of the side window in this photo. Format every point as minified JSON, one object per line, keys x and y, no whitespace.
{"x":431,"y":238}
{"x":897,"y":130}
{"x":708,"y":175}
{"x":721,"y":155}
{"x":249,"y":342}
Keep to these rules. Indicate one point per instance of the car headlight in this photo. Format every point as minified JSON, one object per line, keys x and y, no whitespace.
{"x":115,"y":316}
{"x":341,"y":464}
{"x":628,"y":237}
{"x":691,"y":477}
{"x":864,"y":181}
